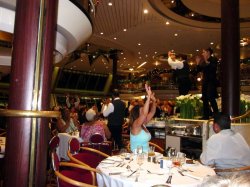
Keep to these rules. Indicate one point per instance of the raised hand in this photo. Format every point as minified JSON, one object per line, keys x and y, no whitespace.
{"x":148,"y":90}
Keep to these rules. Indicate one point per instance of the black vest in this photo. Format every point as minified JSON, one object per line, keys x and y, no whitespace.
{"x":116,"y":118}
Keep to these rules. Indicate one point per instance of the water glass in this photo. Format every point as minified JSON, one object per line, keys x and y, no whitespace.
{"x":181,"y":157}
{"x":139,"y":149}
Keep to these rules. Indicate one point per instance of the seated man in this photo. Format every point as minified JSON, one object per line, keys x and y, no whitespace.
{"x":226,"y":148}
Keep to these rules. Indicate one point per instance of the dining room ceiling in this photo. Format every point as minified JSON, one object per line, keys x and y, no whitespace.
{"x":141,"y":31}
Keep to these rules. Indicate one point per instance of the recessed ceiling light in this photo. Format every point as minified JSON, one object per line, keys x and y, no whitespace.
{"x":167,"y":23}
{"x":124,"y":30}
{"x":124,"y":58}
{"x":110,"y":4}
{"x":139,"y":57}
{"x":131,"y":69}
{"x":146,"y":56}
{"x":101,"y":33}
{"x":115,"y":38}
{"x":139,"y":44}
{"x":81,"y":60}
{"x":139,"y":52}
{"x":121,"y":53}
{"x":172,"y":1}
{"x":145,"y":11}
{"x":211,"y":43}
{"x":155,"y":52}
{"x":197,"y":50}
{"x":175,"y":34}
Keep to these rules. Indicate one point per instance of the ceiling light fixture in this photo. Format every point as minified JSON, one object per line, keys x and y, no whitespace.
{"x":110,"y":4}
{"x":142,"y":64}
{"x":124,"y":30}
{"x":101,"y":33}
{"x":115,"y":38}
{"x":139,"y":44}
{"x":211,"y":43}
{"x":145,"y":11}
{"x":167,"y":23}
{"x":175,"y":34}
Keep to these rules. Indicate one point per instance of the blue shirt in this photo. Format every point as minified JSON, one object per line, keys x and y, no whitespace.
{"x":140,"y":139}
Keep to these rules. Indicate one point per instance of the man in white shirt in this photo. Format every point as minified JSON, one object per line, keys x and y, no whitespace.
{"x":180,"y":72}
{"x":226,"y":148}
{"x":115,"y":112}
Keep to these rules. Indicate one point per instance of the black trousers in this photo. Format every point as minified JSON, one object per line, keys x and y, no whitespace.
{"x":116,"y":133}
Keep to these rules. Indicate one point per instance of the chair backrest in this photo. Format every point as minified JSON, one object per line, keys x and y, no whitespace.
{"x":239,"y":169}
{"x":74,"y":145}
{"x":96,"y":138}
{"x":77,"y":175}
{"x":54,"y":143}
{"x":55,"y":161}
{"x":157,"y":147}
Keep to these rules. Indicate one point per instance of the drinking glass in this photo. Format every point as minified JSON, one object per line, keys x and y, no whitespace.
{"x":151,"y":151}
{"x":140,"y":160}
{"x":181,"y":158}
{"x":139,"y":149}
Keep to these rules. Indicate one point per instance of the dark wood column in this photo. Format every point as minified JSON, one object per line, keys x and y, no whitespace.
{"x":114,"y":57}
{"x":31,"y":71}
{"x":230,"y":52}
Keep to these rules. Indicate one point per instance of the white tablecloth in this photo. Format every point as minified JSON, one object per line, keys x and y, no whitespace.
{"x":194,"y":176}
{"x":2,"y":146}
{"x":64,"y":144}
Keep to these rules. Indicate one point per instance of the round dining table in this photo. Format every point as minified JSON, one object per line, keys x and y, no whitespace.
{"x":119,"y":172}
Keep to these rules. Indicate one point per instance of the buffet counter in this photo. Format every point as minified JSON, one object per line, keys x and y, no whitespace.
{"x":188,"y":135}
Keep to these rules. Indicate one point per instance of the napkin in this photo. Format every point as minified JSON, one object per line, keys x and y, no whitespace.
{"x":115,"y":158}
{"x":107,"y":162}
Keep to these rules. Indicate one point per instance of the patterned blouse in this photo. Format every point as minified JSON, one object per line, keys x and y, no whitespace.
{"x":88,"y":130}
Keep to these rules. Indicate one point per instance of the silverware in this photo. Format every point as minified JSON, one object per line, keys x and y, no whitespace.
{"x":129,"y":168}
{"x":115,"y":173}
{"x":154,"y":173}
{"x":119,"y":165}
{"x":132,"y":173}
{"x":169,"y":179}
{"x":131,"y":160}
{"x":181,"y":173}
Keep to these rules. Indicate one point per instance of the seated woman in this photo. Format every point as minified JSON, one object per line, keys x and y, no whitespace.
{"x":66,"y":123}
{"x":139,"y":116}
{"x":93,"y":126}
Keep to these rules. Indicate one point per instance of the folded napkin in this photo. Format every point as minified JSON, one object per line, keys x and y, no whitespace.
{"x":115,"y":158}
{"x":107,"y":162}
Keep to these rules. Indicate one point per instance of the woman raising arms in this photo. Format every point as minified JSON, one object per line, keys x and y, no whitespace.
{"x":139,"y":116}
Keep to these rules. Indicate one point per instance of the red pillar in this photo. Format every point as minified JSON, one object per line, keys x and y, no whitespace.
{"x":31,"y":71}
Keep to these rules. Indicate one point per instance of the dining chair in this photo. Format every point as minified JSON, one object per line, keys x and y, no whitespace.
{"x":157,"y":147}
{"x":97,"y":141}
{"x":96,"y":138}
{"x":232,"y":170}
{"x":84,"y":155}
{"x":69,"y":176}
{"x":53,"y":144}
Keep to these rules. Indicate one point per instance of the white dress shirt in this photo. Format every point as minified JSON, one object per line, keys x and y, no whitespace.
{"x":226,"y":149}
{"x":108,"y":109}
{"x":175,"y":64}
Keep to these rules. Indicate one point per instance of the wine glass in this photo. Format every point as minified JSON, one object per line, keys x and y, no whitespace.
{"x":140,"y":160}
